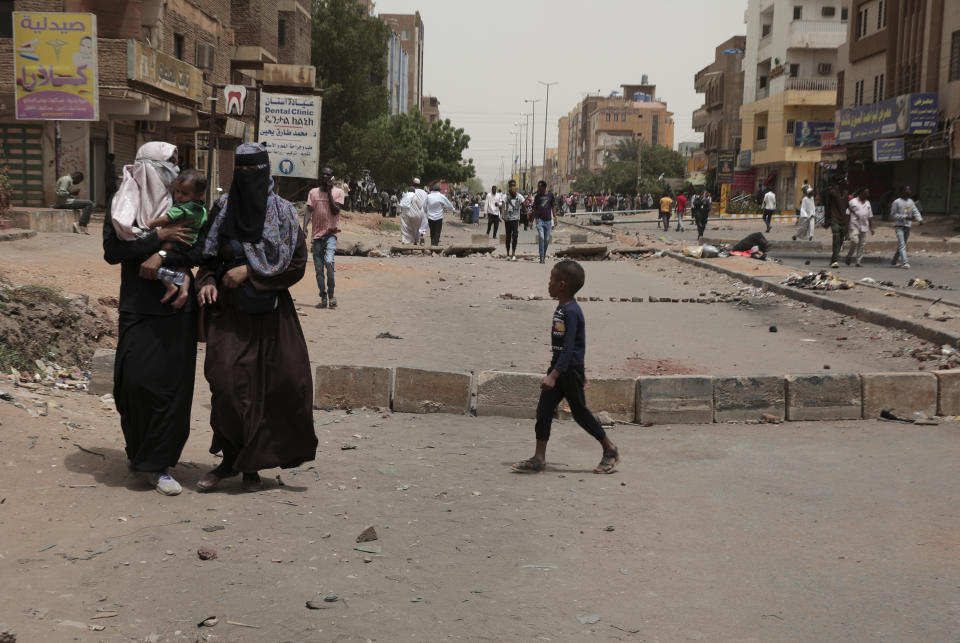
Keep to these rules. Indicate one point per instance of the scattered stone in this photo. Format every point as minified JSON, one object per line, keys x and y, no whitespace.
{"x":608,"y":528}
{"x":770,"y":418}
{"x":588,"y":620}
{"x":842,"y":338}
{"x":604,"y":419}
{"x":212,"y":528}
{"x":826,"y":367}
{"x":773,"y":329}
{"x":348,"y":447}
{"x":210,"y":621}
{"x":207,"y":553}
{"x":7,"y":634}
{"x":367,"y":535}
{"x":331,"y":598}
{"x":316,"y":605}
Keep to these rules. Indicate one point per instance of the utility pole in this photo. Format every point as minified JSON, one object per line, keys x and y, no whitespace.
{"x":533,"y":141}
{"x":546,"y":120}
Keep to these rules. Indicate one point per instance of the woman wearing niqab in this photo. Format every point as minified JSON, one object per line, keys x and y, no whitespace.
{"x":256,"y":359}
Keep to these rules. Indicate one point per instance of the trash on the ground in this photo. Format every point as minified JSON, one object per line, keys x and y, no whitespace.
{"x":887,"y":414}
{"x":770,"y":418}
{"x":387,"y":335}
{"x":331,"y":598}
{"x":773,"y":329}
{"x":212,"y":528}
{"x":210,"y":621}
{"x":693,"y":251}
{"x":868,"y":280}
{"x":367,"y":535}
{"x":207,"y":553}
{"x":316,"y":605}
{"x":589,"y":619}
{"x":822,"y":280}
{"x":348,"y":447}
{"x":369,"y":549}
{"x":545,"y":566}
{"x":608,"y":528}
{"x":605,"y":419}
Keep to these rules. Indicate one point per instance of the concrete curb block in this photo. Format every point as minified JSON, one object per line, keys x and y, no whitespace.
{"x":417,"y":390}
{"x":343,"y":386}
{"x":901,"y":393}
{"x":101,"y":372}
{"x":833,"y":396}
{"x":507,"y":394}
{"x":675,"y":399}
{"x":948,"y":392}
{"x":747,"y":398}
{"x":880,"y":318}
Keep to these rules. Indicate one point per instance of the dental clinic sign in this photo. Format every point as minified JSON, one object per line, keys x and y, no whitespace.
{"x":906,"y":114}
{"x":290,"y":126}
{"x":55,"y":66}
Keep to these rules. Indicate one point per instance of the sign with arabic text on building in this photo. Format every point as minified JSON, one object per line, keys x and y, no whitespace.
{"x":726,"y":162}
{"x":809,"y":133}
{"x":886,"y":150}
{"x":290,"y":127}
{"x":906,"y":114}
{"x":148,"y":66}
{"x":55,"y":64}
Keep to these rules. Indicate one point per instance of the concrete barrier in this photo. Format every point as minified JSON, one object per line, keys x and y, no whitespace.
{"x":345,"y":387}
{"x":824,"y":397}
{"x":45,"y":220}
{"x":480,"y":239}
{"x":615,"y":395}
{"x":578,"y":237}
{"x":948,"y":392}
{"x":418,"y":390}
{"x":101,"y":372}
{"x":675,"y":399}
{"x":506,"y":394}
{"x":747,"y":398}
{"x":901,"y":393}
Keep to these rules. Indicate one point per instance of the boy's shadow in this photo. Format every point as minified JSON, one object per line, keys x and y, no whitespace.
{"x":110,"y":469}
{"x":551,"y":467}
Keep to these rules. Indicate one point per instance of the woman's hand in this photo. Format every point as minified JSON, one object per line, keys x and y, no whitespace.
{"x":207,"y":295}
{"x":177,"y":233}
{"x":148,"y":269}
{"x":235,"y":276}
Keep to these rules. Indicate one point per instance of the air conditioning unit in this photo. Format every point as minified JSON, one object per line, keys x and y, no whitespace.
{"x":824,"y":68}
{"x":204,"y":55}
{"x":150,"y":127}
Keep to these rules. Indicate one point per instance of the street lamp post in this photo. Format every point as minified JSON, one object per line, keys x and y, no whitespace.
{"x":546,"y":120}
{"x":521,"y":169}
{"x":533,"y":146}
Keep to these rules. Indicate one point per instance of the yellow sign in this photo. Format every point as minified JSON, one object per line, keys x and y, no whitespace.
{"x":55,"y":64}
{"x":724,"y":198}
{"x":148,"y":66}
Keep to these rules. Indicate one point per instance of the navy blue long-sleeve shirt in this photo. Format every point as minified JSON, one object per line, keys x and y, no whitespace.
{"x":568,"y":337}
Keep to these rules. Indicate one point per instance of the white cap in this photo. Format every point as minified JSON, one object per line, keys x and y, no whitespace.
{"x":416,"y":181}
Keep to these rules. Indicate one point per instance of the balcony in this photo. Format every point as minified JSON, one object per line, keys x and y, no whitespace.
{"x":700,"y":119}
{"x":760,"y":145}
{"x":812,"y":84}
{"x":817,"y":34}
{"x":762,"y":92}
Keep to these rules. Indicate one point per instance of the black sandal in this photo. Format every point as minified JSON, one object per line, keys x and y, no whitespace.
{"x":609,"y":462}
{"x":529,"y":466}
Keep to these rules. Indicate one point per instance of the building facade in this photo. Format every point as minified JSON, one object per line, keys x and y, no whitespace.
{"x":430,"y":108}
{"x":398,"y":68}
{"x":592,"y":131}
{"x":900,"y":68}
{"x":789,"y":91}
{"x":721,"y":83}
{"x":157,"y":63}
{"x":410,"y":28}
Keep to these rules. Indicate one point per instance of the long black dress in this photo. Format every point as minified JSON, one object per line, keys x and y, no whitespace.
{"x":258,"y":369}
{"x":153,"y":374}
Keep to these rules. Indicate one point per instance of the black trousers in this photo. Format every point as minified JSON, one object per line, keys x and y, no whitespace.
{"x":665,"y":216}
{"x":569,"y":386}
{"x":511,"y":230}
{"x":701,"y":219}
{"x":768,"y":218}
{"x":493,"y":220}
{"x":435,"y":227}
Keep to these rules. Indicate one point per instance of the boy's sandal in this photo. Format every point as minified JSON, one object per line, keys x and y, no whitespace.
{"x":529,"y":466}
{"x":609,"y":462}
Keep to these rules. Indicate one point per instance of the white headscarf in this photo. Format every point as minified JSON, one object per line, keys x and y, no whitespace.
{"x":144,"y":193}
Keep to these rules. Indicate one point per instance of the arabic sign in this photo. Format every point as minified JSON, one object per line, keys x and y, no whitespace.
{"x":290,"y":126}
{"x":55,"y":61}
{"x":148,"y":66}
{"x":888,"y":149}
{"x":743,"y":161}
{"x":726,"y":161}
{"x":906,"y":114}
{"x":809,"y":133}
{"x":236,"y":96}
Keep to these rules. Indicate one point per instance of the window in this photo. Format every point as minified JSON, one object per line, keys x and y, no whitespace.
{"x":281,"y":32}
{"x":862,"y":22}
{"x":761,"y":132}
{"x":762,"y":83}
{"x":876,"y":86}
{"x":880,"y":13}
{"x":858,"y":93}
{"x":6,"y":19}
{"x":794,"y":70}
{"x":828,"y":12}
{"x":881,"y":87}
{"x":954,"y":56}
{"x":178,"y":46}
{"x":404,"y":35}
{"x":764,"y":31}
{"x":608,"y":118}
{"x":844,"y":14}
{"x":798,"y":13}
{"x":790,"y":125}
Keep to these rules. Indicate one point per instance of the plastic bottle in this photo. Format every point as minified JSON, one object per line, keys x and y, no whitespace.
{"x":173,"y":276}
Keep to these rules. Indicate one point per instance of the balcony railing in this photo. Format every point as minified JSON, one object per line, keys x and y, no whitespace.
{"x":760,"y":145}
{"x":818,"y":26}
{"x":762,"y":92}
{"x":789,"y":140}
{"x":812,"y":84}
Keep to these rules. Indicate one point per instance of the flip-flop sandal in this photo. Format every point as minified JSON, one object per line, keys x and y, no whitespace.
{"x":609,"y":462}
{"x":529,"y":466}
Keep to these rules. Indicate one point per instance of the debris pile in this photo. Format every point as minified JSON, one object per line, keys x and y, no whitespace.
{"x":941,"y":358}
{"x":822,"y":280}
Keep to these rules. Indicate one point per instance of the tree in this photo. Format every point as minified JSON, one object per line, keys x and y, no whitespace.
{"x":392,"y":151}
{"x":656,"y":160}
{"x":350,"y":54}
{"x":628,"y":150}
{"x":443,"y":146}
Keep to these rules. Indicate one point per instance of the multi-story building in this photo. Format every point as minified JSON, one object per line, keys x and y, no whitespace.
{"x":721,"y":83}
{"x":564,"y":179}
{"x":410,"y":28}
{"x":789,"y":90}
{"x":397,"y":74}
{"x":430,"y":108}
{"x":899,"y":100}
{"x":157,"y":64}
{"x":591,"y":132}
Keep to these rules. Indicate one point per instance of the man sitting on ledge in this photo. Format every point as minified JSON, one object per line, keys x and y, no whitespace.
{"x":66,"y":191}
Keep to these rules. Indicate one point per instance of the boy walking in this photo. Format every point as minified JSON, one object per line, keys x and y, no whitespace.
{"x":323,"y":207}
{"x":904,"y":212}
{"x":565,"y":377}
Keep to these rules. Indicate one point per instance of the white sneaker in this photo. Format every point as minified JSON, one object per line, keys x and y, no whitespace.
{"x":906,"y":265}
{"x":164,"y":483}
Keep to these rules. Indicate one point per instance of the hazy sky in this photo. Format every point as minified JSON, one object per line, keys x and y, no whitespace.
{"x":481,"y":59}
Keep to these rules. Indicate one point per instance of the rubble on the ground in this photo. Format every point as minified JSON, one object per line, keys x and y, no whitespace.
{"x":822,"y":280}
{"x":941,"y":357}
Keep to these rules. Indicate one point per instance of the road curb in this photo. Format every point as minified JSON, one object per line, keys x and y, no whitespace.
{"x":880,"y":318}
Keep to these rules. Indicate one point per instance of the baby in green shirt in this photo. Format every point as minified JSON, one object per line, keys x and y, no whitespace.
{"x":188,"y":210}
